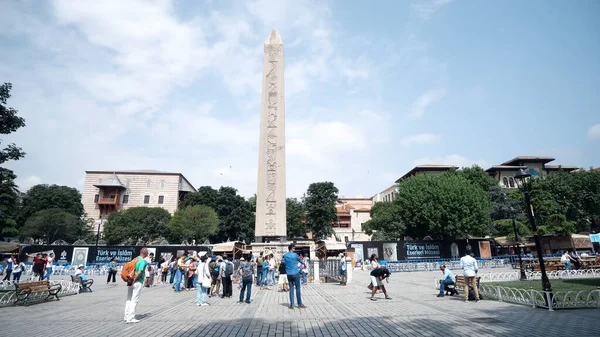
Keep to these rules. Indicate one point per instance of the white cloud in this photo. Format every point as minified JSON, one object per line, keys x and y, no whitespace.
{"x":423,"y":138}
{"x":426,"y":8}
{"x":453,"y":159}
{"x":423,"y":102}
{"x":594,"y":132}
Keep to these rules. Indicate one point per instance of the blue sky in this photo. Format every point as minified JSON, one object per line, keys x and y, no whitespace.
{"x":372,"y":89}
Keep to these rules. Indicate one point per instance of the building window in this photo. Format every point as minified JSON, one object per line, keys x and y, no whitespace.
{"x":161,"y":199}
{"x":162,"y":184}
{"x":125,"y":198}
{"x":146,"y":199}
{"x":148,"y":183}
{"x":505,"y":181}
{"x":511,"y":181}
{"x":96,"y":197}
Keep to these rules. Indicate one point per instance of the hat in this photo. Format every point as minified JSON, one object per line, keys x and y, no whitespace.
{"x":80,"y":266}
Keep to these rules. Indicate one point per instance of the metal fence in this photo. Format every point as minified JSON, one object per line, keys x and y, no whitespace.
{"x":329,"y":269}
{"x":433,"y":265}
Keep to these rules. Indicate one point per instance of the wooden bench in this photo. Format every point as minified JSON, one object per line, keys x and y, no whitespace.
{"x":459,"y":285}
{"x":25,"y":289}
{"x":84,"y":285}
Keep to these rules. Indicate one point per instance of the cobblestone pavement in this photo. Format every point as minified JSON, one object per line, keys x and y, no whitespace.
{"x":332,"y":310}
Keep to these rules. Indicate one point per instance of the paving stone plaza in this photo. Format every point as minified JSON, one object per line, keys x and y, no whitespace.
{"x":332,"y":310}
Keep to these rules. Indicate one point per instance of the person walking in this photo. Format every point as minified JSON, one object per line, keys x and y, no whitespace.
{"x":49,"y":266}
{"x":179,"y":272}
{"x":293,"y":275}
{"x":18,"y":268}
{"x":246,"y":270}
{"x":10,"y":262}
{"x":134,"y":288}
{"x":469,"y":266}
{"x":203,"y":273}
{"x":227,"y":272}
{"x":112,"y":271}
{"x":342,"y":273}
{"x":283,"y":281}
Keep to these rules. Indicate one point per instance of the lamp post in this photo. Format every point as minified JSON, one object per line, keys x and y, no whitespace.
{"x":98,"y":234}
{"x":523,"y":180}
{"x":523,"y":277}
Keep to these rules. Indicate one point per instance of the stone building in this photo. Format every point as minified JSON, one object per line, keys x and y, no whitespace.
{"x":537,"y":166}
{"x":105,"y":192}
{"x":352,"y":214}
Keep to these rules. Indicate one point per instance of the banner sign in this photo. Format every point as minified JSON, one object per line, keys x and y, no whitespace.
{"x":422,"y":250}
{"x":106,"y":255}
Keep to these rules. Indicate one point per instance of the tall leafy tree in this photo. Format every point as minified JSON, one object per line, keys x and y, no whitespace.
{"x":319,"y":202}
{"x":193,"y":222}
{"x":443,"y":206}
{"x":136,"y":223}
{"x":9,"y":195}
{"x":42,"y":196}
{"x":53,"y":224}
{"x":9,"y":123}
{"x":385,"y":222}
{"x":236,"y":216}
{"x":296,"y":228}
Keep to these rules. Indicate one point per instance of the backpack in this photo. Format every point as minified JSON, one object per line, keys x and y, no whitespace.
{"x":215,"y":271}
{"x":128,"y":272}
{"x":229,"y":269}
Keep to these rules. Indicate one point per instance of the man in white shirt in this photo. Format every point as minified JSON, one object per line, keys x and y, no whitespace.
{"x":469,"y":266}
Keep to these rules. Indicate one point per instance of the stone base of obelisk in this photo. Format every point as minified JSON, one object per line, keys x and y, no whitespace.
{"x":279,"y":247}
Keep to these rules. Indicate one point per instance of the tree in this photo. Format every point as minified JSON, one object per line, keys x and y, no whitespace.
{"x":9,"y":195}
{"x":205,"y":195}
{"x":385,"y":222}
{"x":136,"y":223}
{"x":557,"y":224}
{"x":504,"y":227}
{"x":321,"y":214}
{"x":443,"y":206}
{"x":9,"y":123}
{"x":42,"y":196}
{"x":53,"y":224}
{"x":236,"y":217}
{"x":193,"y":222}
{"x":296,"y":228}
{"x":477,"y":176}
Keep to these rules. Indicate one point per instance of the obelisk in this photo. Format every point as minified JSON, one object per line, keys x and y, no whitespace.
{"x":270,"y":193}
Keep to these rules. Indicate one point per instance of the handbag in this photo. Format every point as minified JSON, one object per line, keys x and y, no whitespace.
{"x":370,"y":286}
{"x":206,"y":280}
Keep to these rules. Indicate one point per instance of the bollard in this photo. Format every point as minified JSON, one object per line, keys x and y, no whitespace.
{"x":348,"y":269}
{"x":316,"y":278}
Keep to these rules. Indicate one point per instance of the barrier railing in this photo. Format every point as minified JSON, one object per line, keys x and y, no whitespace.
{"x":8,"y":295}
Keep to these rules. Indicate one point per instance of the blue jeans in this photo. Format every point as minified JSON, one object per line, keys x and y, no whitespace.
{"x":304,"y":275}
{"x":246,"y":286}
{"x":265,"y":277}
{"x":443,"y":284}
{"x":201,"y":295}
{"x":568,"y":265}
{"x":173,"y":272}
{"x":258,"y":276}
{"x":294,"y":281}
{"x":178,"y":280}
{"x":272,"y":277}
{"x":48,"y":273}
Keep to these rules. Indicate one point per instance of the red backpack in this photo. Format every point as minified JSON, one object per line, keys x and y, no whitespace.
{"x":128,"y":272}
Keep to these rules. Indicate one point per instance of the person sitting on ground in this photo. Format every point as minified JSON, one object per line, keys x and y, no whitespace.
{"x":448,"y":278}
{"x":377,"y":277}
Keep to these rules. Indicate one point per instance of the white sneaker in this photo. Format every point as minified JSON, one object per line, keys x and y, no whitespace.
{"x":204,"y":304}
{"x":133,"y":321}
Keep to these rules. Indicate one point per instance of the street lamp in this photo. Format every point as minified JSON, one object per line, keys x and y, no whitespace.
{"x":523,"y":276}
{"x":523,"y":180}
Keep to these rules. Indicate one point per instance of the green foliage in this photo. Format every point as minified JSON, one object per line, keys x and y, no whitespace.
{"x":443,"y":206}
{"x":206,"y":195}
{"x":385,"y":221}
{"x":477,"y":176}
{"x":557,"y":224}
{"x":236,"y":217}
{"x":296,"y":228}
{"x":9,"y":123}
{"x":53,"y":224}
{"x":9,"y":195}
{"x":193,"y":222}
{"x":319,"y":203}
{"x":504,"y":227}
{"x":41,"y":197}
{"x":136,"y":223}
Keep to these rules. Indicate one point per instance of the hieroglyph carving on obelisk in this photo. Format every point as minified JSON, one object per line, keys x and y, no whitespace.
{"x":270,"y":194}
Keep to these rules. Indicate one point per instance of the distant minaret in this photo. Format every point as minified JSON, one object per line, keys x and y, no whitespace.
{"x":270,"y":193}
